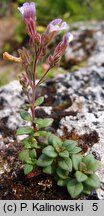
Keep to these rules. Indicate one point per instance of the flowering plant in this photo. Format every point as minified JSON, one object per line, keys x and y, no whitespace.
{"x":43,"y":151}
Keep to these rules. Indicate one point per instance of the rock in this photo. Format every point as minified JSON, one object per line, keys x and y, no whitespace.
{"x":87,"y":40}
{"x":11,"y":101}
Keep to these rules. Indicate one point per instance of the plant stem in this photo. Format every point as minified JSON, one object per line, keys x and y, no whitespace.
{"x":33,"y":86}
{"x":34,"y":92}
{"x":28,"y":76}
{"x":42,"y":78}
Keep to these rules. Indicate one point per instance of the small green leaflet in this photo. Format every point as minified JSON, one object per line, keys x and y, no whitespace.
{"x":65,"y":164}
{"x":44,"y":161}
{"x":25,"y":115}
{"x":39,"y":101}
{"x":27,"y":168}
{"x":81,"y":177}
{"x":74,"y":188}
{"x":44,"y":122}
{"x":49,"y":151}
{"x":24,"y":130}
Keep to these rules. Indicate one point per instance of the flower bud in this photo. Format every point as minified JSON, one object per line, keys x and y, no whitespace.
{"x":23,"y":80}
{"x":24,"y":55}
{"x":37,"y":38}
{"x":60,"y":50}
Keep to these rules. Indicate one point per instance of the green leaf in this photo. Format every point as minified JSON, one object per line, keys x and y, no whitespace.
{"x":75,"y":150}
{"x":49,"y":151}
{"x":24,"y":130}
{"x":27,"y":168}
{"x":65,"y":164}
{"x":32,"y":153}
{"x":88,"y":158}
{"x":93,"y":181}
{"x":36,"y":134}
{"x":76,"y":159}
{"x":24,"y":154}
{"x":91,"y":162}
{"x":41,"y":133}
{"x":80,"y":176}
{"x":39,"y":101}
{"x":44,"y":161}
{"x":64,"y":154}
{"x":52,"y":139}
{"x":49,"y":170}
{"x":63,"y":174}
{"x":25,"y":115}
{"x":55,"y":141}
{"x":69,"y":144}
{"x":63,"y":183}
{"x":87,"y":189}
{"x":74,"y":188}
{"x":28,"y":160}
{"x":44,"y":122}
{"x":30,"y":142}
{"x":82,"y":167}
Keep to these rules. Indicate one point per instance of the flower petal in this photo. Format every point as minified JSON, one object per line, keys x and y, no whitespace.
{"x":56,"y":21}
{"x":68,"y":37}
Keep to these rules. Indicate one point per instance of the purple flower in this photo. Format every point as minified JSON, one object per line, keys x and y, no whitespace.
{"x":54,"y":28}
{"x":28,"y":12}
{"x":68,"y":37}
{"x":60,"y":50}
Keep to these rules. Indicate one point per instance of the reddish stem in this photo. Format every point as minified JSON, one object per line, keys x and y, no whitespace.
{"x":42,"y":78}
{"x":34,"y":92}
{"x":34,"y":88}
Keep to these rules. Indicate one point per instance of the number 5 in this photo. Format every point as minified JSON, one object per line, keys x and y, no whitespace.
{"x":95,"y":207}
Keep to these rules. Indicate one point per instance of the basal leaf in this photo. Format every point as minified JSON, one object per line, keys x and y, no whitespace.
{"x":27,"y":168}
{"x":75,"y":150}
{"x":62,"y":183}
{"x":80,"y":176}
{"x":63,"y":174}
{"x":49,"y":151}
{"x":24,"y":154}
{"x":88,"y":158}
{"x":29,"y":142}
{"x":74,"y":188}
{"x":49,"y":169}
{"x":44,"y":161}
{"x":91,"y":162}
{"x":69,"y":144}
{"x":76,"y":159}
{"x":55,"y":141}
{"x":83,"y":167}
{"x":24,"y":131}
{"x":64,"y":154}
{"x":87,"y":189}
{"x":32,"y":153}
{"x":93,"y":181}
{"x":65,"y":164}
